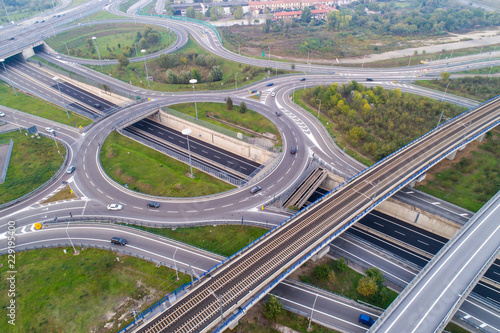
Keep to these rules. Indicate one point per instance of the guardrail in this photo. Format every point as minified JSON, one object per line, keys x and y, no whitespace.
{"x":7,"y":160}
{"x":48,"y":182}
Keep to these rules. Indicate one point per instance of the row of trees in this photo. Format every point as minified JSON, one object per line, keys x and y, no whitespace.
{"x":18,"y":9}
{"x":376,"y":121}
{"x":215,"y":13}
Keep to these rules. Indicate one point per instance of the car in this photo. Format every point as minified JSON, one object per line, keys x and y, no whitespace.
{"x":302,"y":79}
{"x":369,"y":79}
{"x":115,"y":207}
{"x":367,"y":320}
{"x":293,"y":150}
{"x":278,"y":113}
{"x":153,"y":204}
{"x":97,"y":105}
{"x":11,"y":38}
{"x":273,"y":94}
{"x":253,"y":91}
{"x":36,"y":22}
{"x":42,"y":21}
{"x":71,"y":169}
{"x":58,"y":57}
{"x":2,"y":114}
{"x":255,"y":189}
{"x":119,"y":241}
{"x":269,"y":84}
{"x":50,"y":130}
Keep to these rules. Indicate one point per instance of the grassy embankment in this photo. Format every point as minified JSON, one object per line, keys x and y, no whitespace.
{"x":112,"y":40}
{"x":476,"y":88}
{"x":135,"y":73}
{"x":156,"y":174}
{"x":34,"y":106}
{"x":60,"y":292}
{"x":33,"y":162}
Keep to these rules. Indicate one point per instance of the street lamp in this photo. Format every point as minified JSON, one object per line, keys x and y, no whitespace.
{"x":363,"y":65}
{"x":186,"y":132}
{"x":6,"y":12}
{"x":312,"y":311}
{"x":193,"y":81}
{"x":239,"y":49}
{"x":175,"y":264}
{"x":67,"y":233}
{"x":95,"y":43}
{"x":319,"y":110}
{"x":8,"y":75}
{"x":235,"y":82}
{"x":56,"y":78}
{"x":145,"y":65}
{"x":269,"y":52}
{"x":305,"y":80}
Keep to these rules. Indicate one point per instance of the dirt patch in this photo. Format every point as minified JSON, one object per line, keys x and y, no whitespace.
{"x":308,"y":267}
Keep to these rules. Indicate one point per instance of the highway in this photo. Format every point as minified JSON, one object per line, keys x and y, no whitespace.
{"x":242,"y":278}
{"x":451,"y":274}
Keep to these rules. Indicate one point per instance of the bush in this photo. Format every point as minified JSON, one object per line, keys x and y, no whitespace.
{"x":229,"y":103}
{"x":272,"y":308}
{"x":341,"y":264}
{"x":321,"y":272}
{"x":243,"y":107}
{"x":367,"y":286}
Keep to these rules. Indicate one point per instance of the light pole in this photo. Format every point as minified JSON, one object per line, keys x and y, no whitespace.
{"x":319,"y":110}
{"x":8,"y":17}
{"x":305,"y":80}
{"x":175,"y":264}
{"x":239,"y":48}
{"x":269,"y":52}
{"x":411,"y":55}
{"x":186,"y":132}
{"x":193,"y":81}
{"x":235,"y":82}
{"x":145,"y":65}
{"x":363,"y":65}
{"x":442,"y":98}
{"x":95,"y":43}
{"x":312,"y":311}
{"x":56,"y":78}
{"x":8,"y":75}
{"x":67,"y":233}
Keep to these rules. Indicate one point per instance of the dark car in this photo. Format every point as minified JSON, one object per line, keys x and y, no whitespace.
{"x":255,"y":189}
{"x":369,"y":79}
{"x":11,"y":38}
{"x":153,"y":204}
{"x":303,"y":79}
{"x":278,"y":113}
{"x":269,"y":84}
{"x":97,"y":105}
{"x":293,"y":150}
{"x":253,"y":91}
{"x":367,"y":320}
{"x":118,"y":241}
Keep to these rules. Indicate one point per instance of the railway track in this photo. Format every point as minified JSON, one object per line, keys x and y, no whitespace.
{"x":239,"y":279}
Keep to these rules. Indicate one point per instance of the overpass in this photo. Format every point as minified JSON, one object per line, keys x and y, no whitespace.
{"x":429,"y":302}
{"x":223,"y":294}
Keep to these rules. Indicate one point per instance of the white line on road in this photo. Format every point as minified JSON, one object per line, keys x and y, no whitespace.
{"x":418,"y":240}
{"x":138,"y":207}
{"x":227,"y":205}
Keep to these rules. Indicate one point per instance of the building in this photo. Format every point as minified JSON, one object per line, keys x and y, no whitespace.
{"x":318,"y":14}
{"x":257,"y":7}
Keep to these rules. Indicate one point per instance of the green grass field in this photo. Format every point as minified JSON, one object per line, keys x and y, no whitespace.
{"x":250,"y":119}
{"x":38,"y":107}
{"x":33,"y":162}
{"x":103,"y":15}
{"x":60,"y":292}
{"x":229,"y":68}
{"x":126,"y":4}
{"x":472,"y":180}
{"x":221,"y":239}
{"x":156,"y":174}
{"x":112,"y":38}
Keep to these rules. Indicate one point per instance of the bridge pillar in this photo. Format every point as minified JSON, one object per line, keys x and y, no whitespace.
{"x":451,"y":156}
{"x":27,"y":53}
{"x":419,"y":179}
{"x":321,"y":253}
{"x":480,"y":138}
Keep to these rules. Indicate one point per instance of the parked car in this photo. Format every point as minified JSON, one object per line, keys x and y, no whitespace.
{"x":269,"y":84}
{"x":273,"y":94}
{"x":367,"y":320}
{"x":293,"y":150}
{"x":2,"y":114}
{"x":303,"y":79}
{"x":255,"y":189}
{"x":49,"y":129}
{"x":153,"y":204}
{"x":115,"y":207}
{"x":119,"y":241}
{"x":71,"y":169}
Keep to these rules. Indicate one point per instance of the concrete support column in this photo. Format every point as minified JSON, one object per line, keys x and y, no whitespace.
{"x":451,"y":156}
{"x":321,"y":253}
{"x":480,"y":138}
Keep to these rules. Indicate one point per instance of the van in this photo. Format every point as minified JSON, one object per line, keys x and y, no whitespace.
{"x":367,"y":320}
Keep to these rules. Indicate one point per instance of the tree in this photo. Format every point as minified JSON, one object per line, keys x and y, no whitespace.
{"x":445,"y":76}
{"x":123,"y":61}
{"x":341,"y":264}
{"x":243,"y":107}
{"x":306,"y":15}
{"x":229,"y":103}
{"x":195,"y":74}
{"x":191,"y":12}
{"x":293,"y":67}
{"x":272,"y":308}
{"x":216,"y":73}
{"x":376,"y":275}
{"x":367,"y":286}
{"x":238,"y":13}
{"x":321,"y":272}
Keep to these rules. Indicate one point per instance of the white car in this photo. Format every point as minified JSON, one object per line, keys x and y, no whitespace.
{"x":115,"y":207}
{"x":49,"y":129}
{"x":2,"y":114}
{"x":273,"y":94}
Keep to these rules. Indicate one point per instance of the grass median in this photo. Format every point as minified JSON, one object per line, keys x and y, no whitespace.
{"x":37,"y":107}
{"x":148,"y":171}
{"x":91,"y":292}
{"x":32,"y":163}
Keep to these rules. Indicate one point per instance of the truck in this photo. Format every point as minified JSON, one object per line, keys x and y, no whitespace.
{"x":367,"y":320}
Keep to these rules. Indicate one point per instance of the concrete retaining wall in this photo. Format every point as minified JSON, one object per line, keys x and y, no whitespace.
{"x":232,"y":145}
{"x":404,"y":212}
